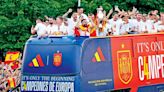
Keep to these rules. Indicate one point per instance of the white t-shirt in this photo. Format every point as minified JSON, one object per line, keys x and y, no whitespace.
{"x":107,"y":29}
{"x":135,"y":25}
{"x":40,"y":29}
{"x":156,"y":26}
{"x":84,"y":33}
{"x":125,"y":27}
{"x":115,"y":26}
{"x":160,"y":26}
{"x":61,"y":28}
{"x":150,"y":26}
{"x":131,"y":23}
{"x":51,"y":29}
{"x":71,"y":26}
{"x":84,"y":17}
{"x":144,"y":26}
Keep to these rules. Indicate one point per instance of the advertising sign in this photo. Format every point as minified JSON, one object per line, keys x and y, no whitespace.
{"x":138,"y":60}
{"x":97,"y":72}
{"x":49,"y":83}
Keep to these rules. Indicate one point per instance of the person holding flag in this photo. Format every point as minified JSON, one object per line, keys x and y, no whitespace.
{"x":85,"y":28}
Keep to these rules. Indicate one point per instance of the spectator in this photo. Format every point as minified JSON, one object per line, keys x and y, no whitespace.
{"x":8,"y":75}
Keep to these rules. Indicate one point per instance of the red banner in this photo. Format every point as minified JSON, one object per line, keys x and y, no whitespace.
{"x":138,"y":60}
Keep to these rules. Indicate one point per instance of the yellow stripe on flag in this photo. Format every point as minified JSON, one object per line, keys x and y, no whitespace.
{"x":11,"y":80}
{"x":35,"y":62}
{"x":97,"y":57}
{"x":11,"y":57}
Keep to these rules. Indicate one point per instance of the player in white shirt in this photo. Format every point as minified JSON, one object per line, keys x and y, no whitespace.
{"x":115,"y":23}
{"x":50,"y":28}
{"x":84,"y":27}
{"x":104,"y":28}
{"x":80,"y":12}
{"x":144,"y":24}
{"x":72,"y":23}
{"x":60,"y":28}
{"x":39,"y":29}
{"x":135,"y":24}
{"x":150,"y":24}
{"x":125,"y":27}
{"x":161,"y":25}
{"x":156,"y":24}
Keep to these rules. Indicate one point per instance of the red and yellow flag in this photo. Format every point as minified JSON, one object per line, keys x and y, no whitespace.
{"x":93,"y":32}
{"x":14,"y":65}
{"x":76,"y":32}
{"x":11,"y":56}
{"x":11,"y":82}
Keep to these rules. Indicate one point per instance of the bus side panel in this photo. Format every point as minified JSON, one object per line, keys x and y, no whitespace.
{"x":52,"y":59}
{"x":97,"y":72}
{"x":42,"y":83}
{"x":137,"y":61}
{"x":152,"y":88}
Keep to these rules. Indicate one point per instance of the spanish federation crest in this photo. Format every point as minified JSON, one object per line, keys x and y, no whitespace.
{"x":124,"y":65}
{"x":57,"y":59}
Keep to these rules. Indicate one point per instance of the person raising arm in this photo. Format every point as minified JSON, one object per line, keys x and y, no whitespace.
{"x":39,"y":29}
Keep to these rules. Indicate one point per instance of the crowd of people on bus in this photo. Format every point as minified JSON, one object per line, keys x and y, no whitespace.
{"x":115,"y":22}
{"x":10,"y":75}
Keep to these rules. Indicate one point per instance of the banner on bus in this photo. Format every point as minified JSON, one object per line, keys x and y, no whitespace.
{"x":138,"y":60}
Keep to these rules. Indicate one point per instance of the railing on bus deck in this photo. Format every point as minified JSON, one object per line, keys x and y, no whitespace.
{"x":63,"y":36}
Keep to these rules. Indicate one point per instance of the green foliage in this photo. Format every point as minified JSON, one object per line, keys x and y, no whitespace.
{"x":17,"y":16}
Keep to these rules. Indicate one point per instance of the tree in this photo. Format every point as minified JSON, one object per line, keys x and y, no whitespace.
{"x":17,"y":16}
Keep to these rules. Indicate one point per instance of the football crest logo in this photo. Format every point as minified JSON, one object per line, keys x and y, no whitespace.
{"x":124,"y":62}
{"x":57,"y":59}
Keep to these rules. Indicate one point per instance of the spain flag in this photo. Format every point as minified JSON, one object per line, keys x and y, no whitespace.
{"x":93,"y":32}
{"x":37,"y":62}
{"x":12,"y":56}
{"x":11,"y":82}
{"x":98,"y":56}
{"x":14,"y":65}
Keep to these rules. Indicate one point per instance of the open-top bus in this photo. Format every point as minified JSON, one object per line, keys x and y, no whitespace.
{"x":131,"y":63}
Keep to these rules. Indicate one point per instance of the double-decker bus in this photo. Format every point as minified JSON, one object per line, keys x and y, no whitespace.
{"x":131,"y":63}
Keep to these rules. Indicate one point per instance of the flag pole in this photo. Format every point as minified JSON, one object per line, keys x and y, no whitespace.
{"x":79,"y":3}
